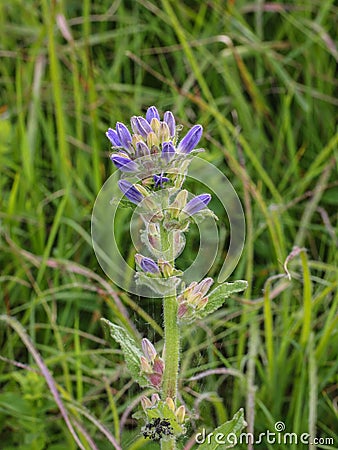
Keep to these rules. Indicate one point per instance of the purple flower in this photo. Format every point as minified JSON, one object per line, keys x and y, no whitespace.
{"x":147,"y":264}
{"x":168,"y":151}
{"x":142,"y":149}
{"x":159,"y":180}
{"x":196,"y":204}
{"x":190,"y":140}
{"x":169,"y":119}
{"x":140,"y":126}
{"x":113,"y":137}
{"x":152,"y":113}
{"x":124,"y":135}
{"x":124,"y":164}
{"x":130,"y":191}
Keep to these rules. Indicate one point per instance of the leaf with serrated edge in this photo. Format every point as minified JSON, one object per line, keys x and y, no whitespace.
{"x":231,"y":429}
{"x":218,"y":296}
{"x":131,"y":351}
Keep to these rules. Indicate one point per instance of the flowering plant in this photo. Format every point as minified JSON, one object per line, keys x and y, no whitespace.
{"x":153,"y":164}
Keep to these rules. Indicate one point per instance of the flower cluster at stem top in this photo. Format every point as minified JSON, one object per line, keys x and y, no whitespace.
{"x":153,"y":164}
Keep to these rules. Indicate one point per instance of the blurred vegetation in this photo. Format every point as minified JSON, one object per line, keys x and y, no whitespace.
{"x":260,"y":78}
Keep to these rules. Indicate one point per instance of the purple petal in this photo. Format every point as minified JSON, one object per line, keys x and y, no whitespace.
{"x":170,"y":121}
{"x":159,"y":180}
{"x":124,"y":164}
{"x":124,"y":135}
{"x":152,"y":113}
{"x":130,"y":191}
{"x":196,"y":204}
{"x":168,"y":151}
{"x":142,"y":149}
{"x":113,"y":137}
{"x":140,"y":126}
{"x":149,"y":265}
{"x":191,"y":139}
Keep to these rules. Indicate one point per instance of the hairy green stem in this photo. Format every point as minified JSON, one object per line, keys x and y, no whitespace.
{"x":172,"y":343}
{"x":172,"y":347}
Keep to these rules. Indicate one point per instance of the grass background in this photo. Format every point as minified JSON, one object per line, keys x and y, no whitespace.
{"x":260,"y":79}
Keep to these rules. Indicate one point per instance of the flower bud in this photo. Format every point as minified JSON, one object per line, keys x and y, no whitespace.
{"x":190,"y":140}
{"x":204,"y":285}
{"x":182,"y":310}
{"x":113,"y":137}
{"x":166,"y":268}
{"x":202,"y":303}
{"x":130,"y":191}
{"x":147,"y":264}
{"x":145,"y":365}
{"x":168,"y":151}
{"x":152,"y":140}
{"x":170,"y":121}
{"x":170,"y":402}
{"x":152,"y":113}
{"x":124,"y":135}
{"x":155,"y":379}
{"x":140,"y":126}
{"x":142,"y":149}
{"x":145,"y":402}
{"x":155,"y":125}
{"x":197,"y":204}
{"x":155,"y":398}
{"x":123,"y":163}
{"x":179,"y":203}
{"x":163,"y":132}
{"x":180,"y":414}
{"x":194,"y":299}
{"x":148,"y":350}
{"x":158,"y":366}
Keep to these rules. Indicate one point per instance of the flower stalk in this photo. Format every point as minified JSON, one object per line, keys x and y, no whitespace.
{"x":153,"y":163}
{"x":171,"y":341}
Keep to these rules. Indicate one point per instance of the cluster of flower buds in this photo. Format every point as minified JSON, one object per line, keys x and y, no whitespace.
{"x":154,"y":402}
{"x":152,"y":150}
{"x":152,"y":365}
{"x":150,"y":403}
{"x":193,"y":299}
{"x":179,"y":412}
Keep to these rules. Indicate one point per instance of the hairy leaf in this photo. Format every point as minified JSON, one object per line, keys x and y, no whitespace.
{"x":225,"y":436}
{"x":218,"y":295}
{"x":130,"y":349}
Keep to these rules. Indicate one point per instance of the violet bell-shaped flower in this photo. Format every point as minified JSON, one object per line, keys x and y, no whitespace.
{"x":140,"y":126}
{"x":123,"y":163}
{"x":130,"y":191}
{"x":196,"y":204}
{"x":168,"y":151}
{"x":148,"y":265}
{"x":190,"y":140}
{"x":152,"y":113}
{"x":124,"y":135}
{"x":113,"y":137}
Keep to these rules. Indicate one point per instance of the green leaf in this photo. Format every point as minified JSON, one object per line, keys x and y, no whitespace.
{"x":218,"y":295}
{"x":130,"y":349}
{"x":225,"y":436}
